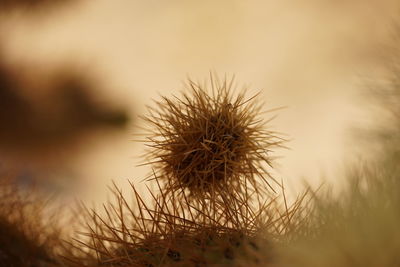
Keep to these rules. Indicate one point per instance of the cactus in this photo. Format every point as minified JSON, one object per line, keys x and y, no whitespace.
{"x":212,"y":206}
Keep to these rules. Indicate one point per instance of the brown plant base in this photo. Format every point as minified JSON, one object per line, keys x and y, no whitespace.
{"x":210,"y":141}
{"x":173,"y":231}
{"x":205,"y":247}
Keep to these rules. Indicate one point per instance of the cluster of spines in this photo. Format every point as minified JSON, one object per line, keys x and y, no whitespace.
{"x":175,"y":232}
{"x":210,"y":141}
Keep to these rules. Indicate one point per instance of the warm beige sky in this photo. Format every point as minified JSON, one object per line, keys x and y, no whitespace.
{"x":311,"y":56}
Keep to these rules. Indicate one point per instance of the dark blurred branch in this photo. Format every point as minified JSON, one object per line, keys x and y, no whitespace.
{"x":66,"y":112}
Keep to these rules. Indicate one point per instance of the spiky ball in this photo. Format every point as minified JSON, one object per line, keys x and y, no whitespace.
{"x":209,"y":140}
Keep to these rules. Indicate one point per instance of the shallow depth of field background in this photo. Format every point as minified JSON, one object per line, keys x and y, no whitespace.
{"x":316,"y":58}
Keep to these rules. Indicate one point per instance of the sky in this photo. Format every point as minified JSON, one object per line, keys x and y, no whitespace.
{"x":314,"y":58}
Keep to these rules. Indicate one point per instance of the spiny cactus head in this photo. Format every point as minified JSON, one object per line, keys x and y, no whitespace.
{"x":211,"y":140}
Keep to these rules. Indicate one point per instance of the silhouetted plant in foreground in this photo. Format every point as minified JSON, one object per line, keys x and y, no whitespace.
{"x":28,"y":236}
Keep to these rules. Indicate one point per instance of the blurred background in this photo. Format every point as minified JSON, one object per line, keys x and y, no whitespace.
{"x":74,"y":77}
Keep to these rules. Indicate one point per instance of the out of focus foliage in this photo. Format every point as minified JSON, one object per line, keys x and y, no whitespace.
{"x":360,"y":226}
{"x":51,"y":110}
{"x":6,"y":5}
